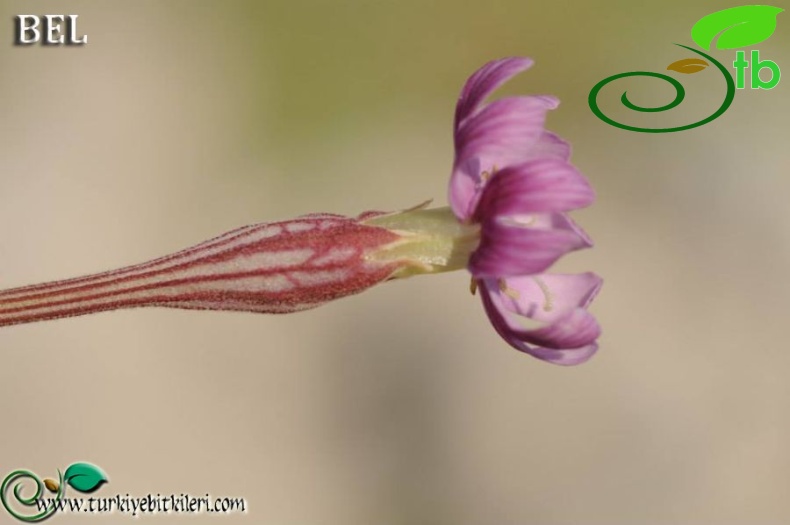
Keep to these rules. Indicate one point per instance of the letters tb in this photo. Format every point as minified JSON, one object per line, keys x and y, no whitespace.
{"x":741,"y":64}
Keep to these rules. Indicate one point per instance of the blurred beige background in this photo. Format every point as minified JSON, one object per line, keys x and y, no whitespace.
{"x":181,"y":120}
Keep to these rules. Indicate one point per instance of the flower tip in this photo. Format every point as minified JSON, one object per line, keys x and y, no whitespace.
{"x":485,"y":81}
{"x":565,"y":357}
{"x":596,"y":283}
{"x":549,"y":101}
{"x":506,"y":67}
{"x":512,"y":65}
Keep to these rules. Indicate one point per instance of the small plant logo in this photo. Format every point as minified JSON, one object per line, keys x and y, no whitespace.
{"x":83,"y":477}
{"x":731,"y":29}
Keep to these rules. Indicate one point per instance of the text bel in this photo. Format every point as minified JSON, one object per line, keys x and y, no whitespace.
{"x":48,"y":29}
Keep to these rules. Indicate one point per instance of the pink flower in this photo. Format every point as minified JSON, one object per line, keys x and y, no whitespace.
{"x":510,"y":190}
{"x":513,"y":179}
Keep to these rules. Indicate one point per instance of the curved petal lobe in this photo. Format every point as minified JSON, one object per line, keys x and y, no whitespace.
{"x":500,"y":135}
{"x":484,"y":81}
{"x":525,"y":245}
{"x":550,"y":145}
{"x":558,"y":300}
{"x":542,"y":185}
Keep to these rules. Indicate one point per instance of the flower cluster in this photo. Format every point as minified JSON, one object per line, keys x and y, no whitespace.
{"x":513,"y":178}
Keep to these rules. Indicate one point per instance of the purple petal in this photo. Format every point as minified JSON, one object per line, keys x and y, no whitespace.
{"x":525,"y":245}
{"x":562,"y":293}
{"x":503,"y":125}
{"x":567,"y":357}
{"x":464,"y":189}
{"x":550,"y":145}
{"x":501,"y":134}
{"x":564,"y":356}
{"x":557,"y":299}
{"x":578,"y":328}
{"x":484,"y":81}
{"x":555,"y":221}
{"x":542,"y":185}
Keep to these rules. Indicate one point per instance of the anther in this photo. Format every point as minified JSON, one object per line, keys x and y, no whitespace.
{"x":548,"y":303}
{"x":488,"y":174}
{"x":510,"y":292}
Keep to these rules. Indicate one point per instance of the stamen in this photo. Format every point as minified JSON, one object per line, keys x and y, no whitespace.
{"x":548,"y":304}
{"x":488,"y":174}
{"x":510,"y":292}
{"x":473,"y":286}
{"x":530,"y":220}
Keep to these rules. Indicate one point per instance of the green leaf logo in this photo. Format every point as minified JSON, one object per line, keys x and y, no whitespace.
{"x":739,"y":26}
{"x":84,"y":476}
